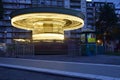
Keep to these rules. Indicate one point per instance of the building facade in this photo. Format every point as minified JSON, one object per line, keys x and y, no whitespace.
{"x":118,"y":14}
{"x":8,"y":34}
{"x":92,"y":9}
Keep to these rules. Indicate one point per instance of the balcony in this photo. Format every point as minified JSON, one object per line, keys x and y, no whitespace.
{"x":14,"y":1}
{"x":77,"y":4}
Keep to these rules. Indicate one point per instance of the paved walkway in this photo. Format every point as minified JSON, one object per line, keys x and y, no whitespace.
{"x":75,"y":69}
{"x":98,"y":59}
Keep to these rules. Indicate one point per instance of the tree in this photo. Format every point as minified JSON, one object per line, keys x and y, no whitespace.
{"x":115,"y":32}
{"x":106,"y":21}
{"x":1,"y":9}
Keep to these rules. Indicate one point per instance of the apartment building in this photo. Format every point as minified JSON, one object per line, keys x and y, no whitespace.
{"x":92,"y":9}
{"x":8,"y":33}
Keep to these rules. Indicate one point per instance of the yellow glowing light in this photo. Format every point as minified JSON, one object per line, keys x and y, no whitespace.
{"x":98,"y":41}
{"x":21,"y":40}
{"x":47,"y":25}
{"x":49,"y":36}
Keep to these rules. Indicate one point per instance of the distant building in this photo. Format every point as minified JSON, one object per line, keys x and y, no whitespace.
{"x":7,"y":32}
{"x":92,"y":9}
{"x":117,"y":10}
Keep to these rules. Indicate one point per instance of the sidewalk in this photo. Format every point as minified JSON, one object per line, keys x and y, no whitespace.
{"x":98,"y":59}
{"x":75,"y":69}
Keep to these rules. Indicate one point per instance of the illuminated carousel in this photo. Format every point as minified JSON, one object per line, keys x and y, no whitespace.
{"x":47,"y":23}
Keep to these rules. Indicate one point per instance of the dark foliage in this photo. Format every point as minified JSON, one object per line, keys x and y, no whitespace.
{"x":1,"y":9}
{"x":107,"y":21}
